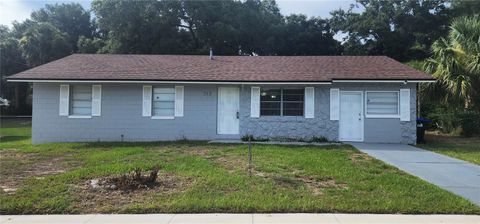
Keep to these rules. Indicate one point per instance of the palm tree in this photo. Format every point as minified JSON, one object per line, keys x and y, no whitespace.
{"x":456,"y":65}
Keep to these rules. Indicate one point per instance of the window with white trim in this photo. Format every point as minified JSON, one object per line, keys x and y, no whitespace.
{"x":163,"y":102}
{"x":81,"y":100}
{"x":282,"y":102}
{"x":382,"y":104}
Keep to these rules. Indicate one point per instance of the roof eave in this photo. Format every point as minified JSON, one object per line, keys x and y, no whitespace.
{"x":220,"y":81}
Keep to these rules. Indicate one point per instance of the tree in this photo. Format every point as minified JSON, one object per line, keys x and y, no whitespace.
{"x":70,"y":18}
{"x":403,"y":30}
{"x":465,"y":7}
{"x":90,"y":45}
{"x":11,"y":62}
{"x":138,"y":27}
{"x":302,"y":36}
{"x":456,"y":64}
{"x":42,"y":43}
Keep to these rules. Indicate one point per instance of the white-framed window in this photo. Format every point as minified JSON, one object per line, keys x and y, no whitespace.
{"x":282,"y":102}
{"x":382,"y":104}
{"x":163,"y":103}
{"x":80,"y":100}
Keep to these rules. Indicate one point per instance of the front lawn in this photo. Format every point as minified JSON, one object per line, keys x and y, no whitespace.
{"x":200,"y":177}
{"x":467,"y":149}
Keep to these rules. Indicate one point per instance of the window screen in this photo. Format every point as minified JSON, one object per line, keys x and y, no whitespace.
{"x":382,"y":103}
{"x":164,"y":102}
{"x":81,"y":100}
{"x":293,"y":102}
{"x":281,"y":102}
{"x":270,"y":102}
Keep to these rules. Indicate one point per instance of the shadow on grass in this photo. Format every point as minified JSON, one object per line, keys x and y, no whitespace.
{"x":140,"y":144}
{"x":13,"y":138}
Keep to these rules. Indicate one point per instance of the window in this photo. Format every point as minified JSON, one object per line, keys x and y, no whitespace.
{"x":270,"y":102}
{"x":81,"y":100}
{"x":293,"y":102}
{"x":382,"y":104}
{"x":163,"y":102}
{"x":282,"y":102}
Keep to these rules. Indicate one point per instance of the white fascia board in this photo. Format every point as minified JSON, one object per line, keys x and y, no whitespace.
{"x":382,"y":81}
{"x":223,"y":82}
{"x":178,"y":82}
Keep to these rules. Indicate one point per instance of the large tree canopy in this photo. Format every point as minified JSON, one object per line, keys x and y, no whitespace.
{"x":71,"y":19}
{"x":251,"y":27}
{"x":42,"y":43}
{"x":402,"y":29}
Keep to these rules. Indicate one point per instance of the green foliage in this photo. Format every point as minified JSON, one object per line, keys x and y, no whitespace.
{"x":42,"y":42}
{"x":90,"y":45}
{"x":193,"y":27}
{"x":403,"y":30}
{"x":459,"y":147}
{"x":456,"y":65}
{"x":465,"y":7}
{"x":247,"y":138}
{"x":319,"y":139}
{"x":70,"y":18}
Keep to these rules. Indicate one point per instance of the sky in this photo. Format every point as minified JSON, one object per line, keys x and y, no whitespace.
{"x":20,"y":10}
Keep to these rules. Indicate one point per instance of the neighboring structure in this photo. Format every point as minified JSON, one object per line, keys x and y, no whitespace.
{"x":167,"y":97}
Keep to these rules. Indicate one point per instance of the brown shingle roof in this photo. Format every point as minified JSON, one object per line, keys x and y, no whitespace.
{"x":222,"y":68}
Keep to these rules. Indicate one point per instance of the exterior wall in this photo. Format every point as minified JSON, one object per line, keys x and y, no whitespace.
{"x":290,"y":126}
{"x":387,"y":130}
{"x":122,"y":115}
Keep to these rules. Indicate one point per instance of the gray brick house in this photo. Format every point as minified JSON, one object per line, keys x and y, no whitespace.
{"x":86,"y":97}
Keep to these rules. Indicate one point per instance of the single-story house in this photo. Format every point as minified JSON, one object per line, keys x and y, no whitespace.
{"x":102,"y":97}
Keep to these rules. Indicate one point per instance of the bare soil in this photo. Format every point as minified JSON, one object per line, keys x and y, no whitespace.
{"x":105,"y":200}
{"x":16,"y":167}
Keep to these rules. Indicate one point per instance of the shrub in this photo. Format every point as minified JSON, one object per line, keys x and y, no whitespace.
{"x":319,"y":139}
{"x":247,"y":137}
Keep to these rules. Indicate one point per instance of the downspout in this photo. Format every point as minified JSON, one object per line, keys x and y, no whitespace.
{"x":418,"y":101}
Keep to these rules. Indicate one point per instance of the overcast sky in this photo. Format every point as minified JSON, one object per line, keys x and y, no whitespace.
{"x":19,"y":10}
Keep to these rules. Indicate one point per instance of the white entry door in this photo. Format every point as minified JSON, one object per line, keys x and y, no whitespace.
{"x":351,"y":116}
{"x":228,"y":110}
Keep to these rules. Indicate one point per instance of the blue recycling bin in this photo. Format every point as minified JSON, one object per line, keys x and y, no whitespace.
{"x":421,"y":126}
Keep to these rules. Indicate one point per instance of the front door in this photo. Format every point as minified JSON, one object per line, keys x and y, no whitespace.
{"x":351,"y":116}
{"x":228,"y":109}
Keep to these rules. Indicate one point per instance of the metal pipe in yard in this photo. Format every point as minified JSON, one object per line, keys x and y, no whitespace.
{"x":250,"y":155}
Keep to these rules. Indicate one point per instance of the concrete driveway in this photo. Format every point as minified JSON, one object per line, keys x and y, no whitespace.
{"x":454,"y":175}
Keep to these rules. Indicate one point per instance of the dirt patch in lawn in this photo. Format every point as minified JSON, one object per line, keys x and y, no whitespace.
{"x":317,"y":186}
{"x":230,"y":162}
{"x":357,"y":157}
{"x":15,"y":167}
{"x":105,"y":199}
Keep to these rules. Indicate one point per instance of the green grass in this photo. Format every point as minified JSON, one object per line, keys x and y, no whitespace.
{"x":211,"y":178}
{"x":467,"y":149}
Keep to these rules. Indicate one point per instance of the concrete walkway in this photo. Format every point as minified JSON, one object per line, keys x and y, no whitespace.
{"x":239,"y":219}
{"x":454,"y":175}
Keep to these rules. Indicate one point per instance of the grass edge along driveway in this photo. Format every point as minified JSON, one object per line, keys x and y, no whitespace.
{"x":467,"y":149}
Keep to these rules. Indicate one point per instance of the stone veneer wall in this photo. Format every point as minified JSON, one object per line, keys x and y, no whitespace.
{"x":388,"y":130}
